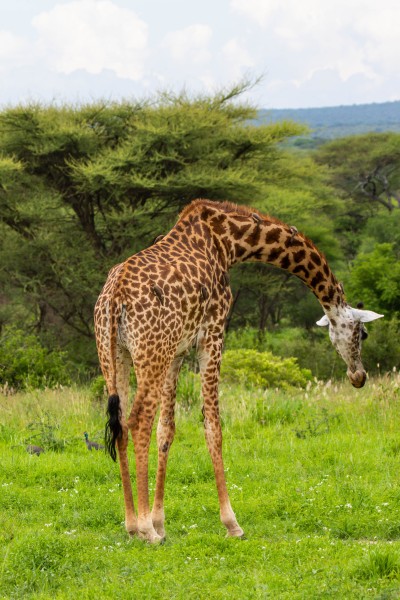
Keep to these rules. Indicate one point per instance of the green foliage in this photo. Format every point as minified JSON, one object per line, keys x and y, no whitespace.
{"x":82,"y":188}
{"x":45,"y":433}
{"x":365,"y":171}
{"x":382,"y":228}
{"x":375,"y":278}
{"x":25,"y":363}
{"x":381,"y":350}
{"x":312,"y":349}
{"x":98,"y":389}
{"x":262,"y":369}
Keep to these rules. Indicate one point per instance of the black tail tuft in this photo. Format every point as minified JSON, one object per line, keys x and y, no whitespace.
{"x":113,"y":426}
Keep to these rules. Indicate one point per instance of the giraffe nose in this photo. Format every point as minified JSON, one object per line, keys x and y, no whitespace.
{"x":358,"y":378}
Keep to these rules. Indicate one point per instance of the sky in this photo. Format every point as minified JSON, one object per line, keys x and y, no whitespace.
{"x":308,"y":53}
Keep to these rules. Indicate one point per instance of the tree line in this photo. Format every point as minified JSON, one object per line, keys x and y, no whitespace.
{"x":83,"y":187}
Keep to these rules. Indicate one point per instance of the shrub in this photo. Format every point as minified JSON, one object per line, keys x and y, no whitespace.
{"x":25,"y":363}
{"x":45,"y":433}
{"x":262,"y":369}
{"x":311,"y":349}
{"x":98,"y":389}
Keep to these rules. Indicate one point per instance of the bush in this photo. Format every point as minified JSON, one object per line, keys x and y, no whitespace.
{"x":25,"y":363}
{"x":312,"y":349}
{"x":262,"y":369}
{"x":98,"y":389}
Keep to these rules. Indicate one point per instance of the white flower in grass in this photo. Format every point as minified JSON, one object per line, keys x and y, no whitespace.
{"x":348,"y":505}
{"x":70,"y":532}
{"x":235,"y":487}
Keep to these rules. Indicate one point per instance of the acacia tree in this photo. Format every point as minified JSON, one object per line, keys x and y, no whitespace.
{"x":83,"y":187}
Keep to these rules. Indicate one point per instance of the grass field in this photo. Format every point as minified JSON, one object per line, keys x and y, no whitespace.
{"x":313,"y":477}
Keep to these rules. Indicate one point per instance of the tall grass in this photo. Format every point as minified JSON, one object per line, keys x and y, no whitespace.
{"x":313,"y":479}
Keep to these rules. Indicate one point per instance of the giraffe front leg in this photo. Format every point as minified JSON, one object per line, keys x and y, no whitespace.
{"x":210,"y":359}
{"x":213,"y":434}
{"x":165,"y":437}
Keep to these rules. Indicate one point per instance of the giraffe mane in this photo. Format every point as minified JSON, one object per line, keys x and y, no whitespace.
{"x":226,"y":207}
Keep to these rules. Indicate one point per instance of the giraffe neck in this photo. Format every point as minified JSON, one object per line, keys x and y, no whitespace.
{"x":247,"y":237}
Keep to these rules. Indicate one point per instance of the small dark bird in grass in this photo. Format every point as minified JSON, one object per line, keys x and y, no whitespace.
{"x":34,"y":449}
{"x":92,"y":445}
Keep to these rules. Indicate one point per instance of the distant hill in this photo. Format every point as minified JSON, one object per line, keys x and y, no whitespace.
{"x":338,"y":121}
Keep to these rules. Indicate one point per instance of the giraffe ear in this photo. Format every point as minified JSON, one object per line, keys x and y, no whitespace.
{"x":323,"y":321}
{"x":365,"y":316}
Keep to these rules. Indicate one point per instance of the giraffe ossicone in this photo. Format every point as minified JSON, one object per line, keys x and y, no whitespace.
{"x":175,"y":294}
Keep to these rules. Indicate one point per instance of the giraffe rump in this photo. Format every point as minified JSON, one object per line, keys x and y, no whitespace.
{"x":113,"y":429}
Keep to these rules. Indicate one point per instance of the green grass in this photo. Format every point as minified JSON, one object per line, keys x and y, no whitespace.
{"x":313,"y":478}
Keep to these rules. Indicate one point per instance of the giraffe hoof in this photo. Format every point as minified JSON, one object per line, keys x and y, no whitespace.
{"x":237,"y":532}
{"x":131,"y":528}
{"x":131,"y":532}
{"x":151,"y":537}
{"x":160,"y":531}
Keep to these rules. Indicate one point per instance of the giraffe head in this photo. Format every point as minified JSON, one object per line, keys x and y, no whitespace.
{"x":346,"y":331}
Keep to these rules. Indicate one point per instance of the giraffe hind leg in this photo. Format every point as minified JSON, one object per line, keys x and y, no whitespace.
{"x":165,"y":437}
{"x":116,"y":433}
{"x":140,"y":423}
{"x":209,"y":350}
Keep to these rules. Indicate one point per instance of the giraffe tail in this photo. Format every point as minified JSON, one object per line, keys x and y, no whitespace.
{"x":113,"y":428}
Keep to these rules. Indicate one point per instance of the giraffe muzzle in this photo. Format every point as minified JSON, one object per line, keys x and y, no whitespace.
{"x":358,"y":378}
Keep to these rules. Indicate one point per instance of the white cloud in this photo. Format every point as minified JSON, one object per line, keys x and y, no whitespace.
{"x":350,"y":37}
{"x":190,"y":44}
{"x":310,"y":52}
{"x":258,"y":10}
{"x":235,"y":52}
{"x":15,"y":51}
{"x":92,"y":35}
{"x":380,"y":28}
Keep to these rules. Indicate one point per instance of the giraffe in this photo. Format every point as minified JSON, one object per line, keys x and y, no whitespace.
{"x":175,"y":294}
